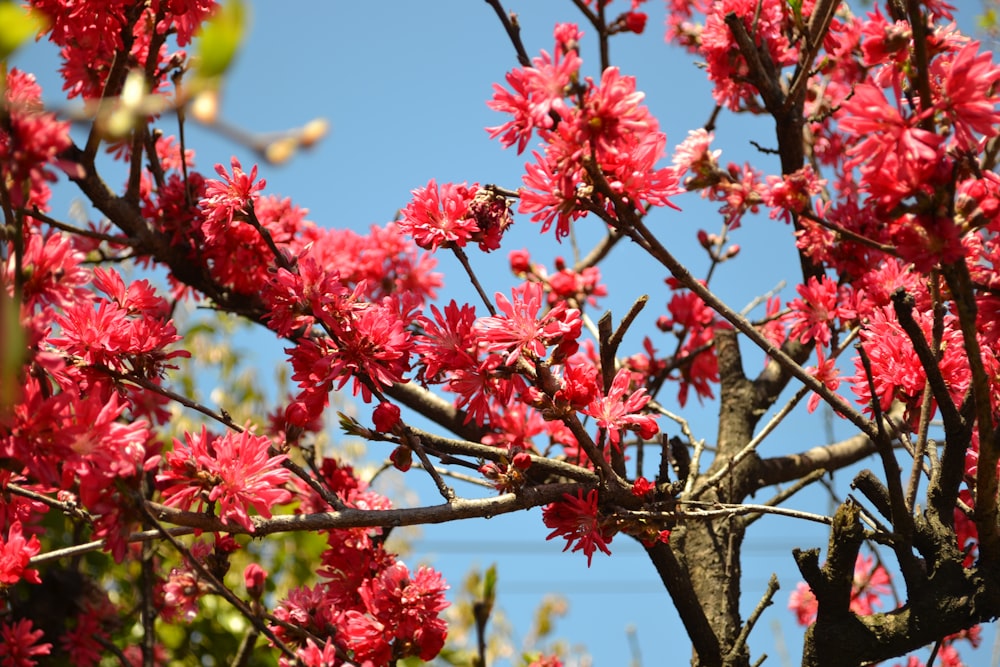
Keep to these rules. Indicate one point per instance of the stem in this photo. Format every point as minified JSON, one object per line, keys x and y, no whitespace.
{"x":464,"y":260}
{"x":744,"y":326}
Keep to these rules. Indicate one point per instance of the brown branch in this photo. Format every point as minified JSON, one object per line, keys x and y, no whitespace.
{"x":460,"y":508}
{"x":819,"y":23}
{"x":835,"y":456}
{"x":987,"y":513}
{"x":742,"y":324}
{"x":513,"y":29}
{"x":678,"y":584}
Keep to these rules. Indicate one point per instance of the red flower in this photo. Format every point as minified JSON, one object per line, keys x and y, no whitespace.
{"x":235,"y":193}
{"x":234,"y":469}
{"x":448,"y":341}
{"x":641,"y":486}
{"x":825,"y":371}
{"x":813,"y":317}
{"x":399,"y":616}
{"x":576,"y":519}
{"x":520,"y":329}
{"x":15,"y":553}
{"x":635,"y":22}
{"x":374,"y":345}
{"x":870,"y":584}
{"x":312,"y":655}
{"x":254,"y":577}
{"x":538,"y":91}
{"x":18,"y":644}
{"x":551,"y":193}
{"x":968,"y":93}
{"x":30,"y":142}
{"x":615,"y":412}
{"x":440,"y":216}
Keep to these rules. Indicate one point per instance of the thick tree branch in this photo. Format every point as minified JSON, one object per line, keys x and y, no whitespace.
{"x":460,"y":508}
{"x":835,"y":456}
{"x":677,"y":581}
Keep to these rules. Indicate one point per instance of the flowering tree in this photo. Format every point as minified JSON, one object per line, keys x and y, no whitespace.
{"x":885,"y":125}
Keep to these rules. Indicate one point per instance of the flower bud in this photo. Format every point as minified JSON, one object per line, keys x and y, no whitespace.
{"x":254,"y":576}
{"x":385,"y":417}
{"x":402,"y":458}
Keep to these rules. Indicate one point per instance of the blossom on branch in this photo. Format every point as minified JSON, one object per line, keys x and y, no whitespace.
{"x":615,"y":412}
{"x":235,"y":470}
{"x":577,"y":520}
{"x":15,"y":553}
{"x":519,"y":329}
{"x":439,"y":215}
{"x":235,"y":195}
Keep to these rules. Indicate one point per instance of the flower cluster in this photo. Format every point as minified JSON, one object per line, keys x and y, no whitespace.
{"x":234,"y":470}
{"x":368,"y":605}
{"x":601,"y":144}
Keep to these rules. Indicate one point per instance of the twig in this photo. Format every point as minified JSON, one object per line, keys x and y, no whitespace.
{"x":746,"y":327}
{"x":513,"y":31}
{"x":97,"y":545}
{"x":413,"y":442}
{"x":765,"y":601}
{"x":785,"y":494}
{"x":464,"y":261}
{"x":219,"y":588}
{"x":773,"y":423}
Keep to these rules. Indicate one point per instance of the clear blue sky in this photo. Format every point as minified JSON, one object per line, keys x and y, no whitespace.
{"x":404,"y":85}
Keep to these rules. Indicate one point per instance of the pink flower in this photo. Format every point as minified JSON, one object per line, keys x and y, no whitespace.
{"x":518,"y":104}
{"x":815,"y":315}
{"x":312,"y":655}
{"x":896,"y":157}
{"x":30,"y":142}
{"x":440,"y":216}
{"x":767,"y":24}
{"x":896,"y":371}
{"x":235,"y":194}
{"x":615,"y":413}
{"x":374,"y":345}
{"x":792,"y":193}
{"x":15,"y":553}
{"x":520,"y":330}
{"x":551,"y":193}
{"x":693,"y":155}
{"x":400,"y":614}
{"x":825,"y":371}
{"x":576,"y":519}
{"x":19,"y":644}
{"x":871,"y":582}
{"x":539,"y":91}
{"x":546,"y":661}
{"x":448,"y":341}
{"x":967,"y":93}
{"x":803,"y":602}
{"x":235,"y":470}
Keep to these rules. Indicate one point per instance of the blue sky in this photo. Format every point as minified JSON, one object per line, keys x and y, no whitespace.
{"x":404,"y":85}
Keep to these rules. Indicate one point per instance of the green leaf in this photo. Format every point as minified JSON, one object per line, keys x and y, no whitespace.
{"x":16,"y":26}
{"x":490,"y":585}
{"x":11,"y":348}
{"x":220,"y":40}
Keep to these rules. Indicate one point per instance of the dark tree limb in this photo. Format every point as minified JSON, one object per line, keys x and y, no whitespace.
{"x":677,"y":581}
